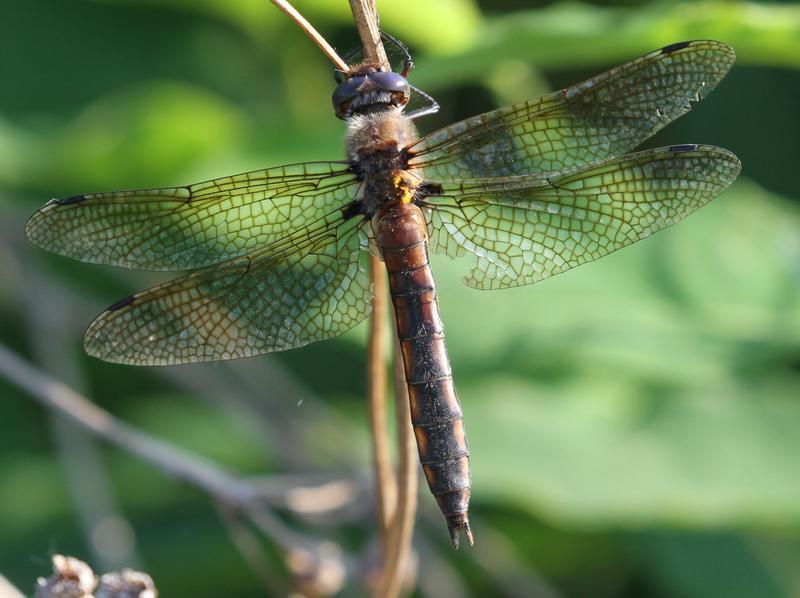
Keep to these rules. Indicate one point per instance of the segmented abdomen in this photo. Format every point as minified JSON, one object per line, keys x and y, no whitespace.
{"x":401,"y":234}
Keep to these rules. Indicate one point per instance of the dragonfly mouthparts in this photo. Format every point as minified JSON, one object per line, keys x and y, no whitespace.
{"x":384,"y":98}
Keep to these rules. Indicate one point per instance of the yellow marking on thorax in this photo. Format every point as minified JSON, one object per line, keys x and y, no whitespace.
{"x":400,"y":182}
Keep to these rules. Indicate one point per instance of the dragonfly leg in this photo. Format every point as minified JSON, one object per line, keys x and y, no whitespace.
{"x":431,"y":108}
{"x":408,"y":63}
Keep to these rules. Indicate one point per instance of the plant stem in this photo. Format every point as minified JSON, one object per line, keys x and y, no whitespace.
{"x":385,"y":486}
{"x":315,"y":36}
{"x":366,"y":18}
{"x":400,"y":533}
{"x":235,"y":492}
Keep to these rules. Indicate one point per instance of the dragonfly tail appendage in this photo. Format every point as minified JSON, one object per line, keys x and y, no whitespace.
{"x":458,"y":524}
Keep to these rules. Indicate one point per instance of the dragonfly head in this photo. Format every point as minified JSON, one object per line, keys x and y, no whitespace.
{"x":367,"y":89}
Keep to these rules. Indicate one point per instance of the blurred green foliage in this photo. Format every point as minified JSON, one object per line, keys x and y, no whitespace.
{"x":634,"y":424}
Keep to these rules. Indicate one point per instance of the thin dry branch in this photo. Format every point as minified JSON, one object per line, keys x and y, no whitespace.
{"x":232,"y":491}
{"x":89,"y":416}
{"x":385,"y":486}
{"x":396,"y":523}
{"x":315,"y":36}
{"x":366,"y":21}
{"x":402,"y":531}
{"x":366,"y":18}
{"x":398,"y":540}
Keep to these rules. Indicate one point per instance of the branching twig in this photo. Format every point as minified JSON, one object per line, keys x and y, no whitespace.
{"x":233,"y":491}
{"x":89,"y":416}
{"x":79,"y":454}
{"x":323,"y":45}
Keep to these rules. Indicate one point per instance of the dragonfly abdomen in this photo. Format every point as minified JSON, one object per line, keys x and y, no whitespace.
{"x":401,"y":233}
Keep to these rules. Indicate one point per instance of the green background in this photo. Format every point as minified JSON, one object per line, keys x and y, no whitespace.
{"x":634,"y":424}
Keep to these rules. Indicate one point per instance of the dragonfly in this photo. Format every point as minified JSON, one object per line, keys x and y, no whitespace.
{"x":277,"y":255}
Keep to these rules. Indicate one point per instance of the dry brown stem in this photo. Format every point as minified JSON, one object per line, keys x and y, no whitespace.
{"x":89,"y":416}
{"x":235,"y":492}
{"x":315,"y":36}
{"x":385,"y":486}
{"x":366,"y":18}
{"x":402,"y":530}
{"x":398,"y":539}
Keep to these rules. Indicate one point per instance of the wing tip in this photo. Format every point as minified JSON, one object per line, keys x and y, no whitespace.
{"x":31,"y":227}
{"x":725,"y":54}
{"x":37,"y":223}
{"x":735,"y":165}
{"x":694,"y":43}
{"x":103,"y":348}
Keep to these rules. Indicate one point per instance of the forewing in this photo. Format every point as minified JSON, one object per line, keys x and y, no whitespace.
{"x":198,"y":225}
{"x":306,"y":287}
{"x":604,"y":116}
{"x":522,"y":229}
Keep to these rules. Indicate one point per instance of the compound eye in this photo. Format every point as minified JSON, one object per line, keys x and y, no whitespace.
{"x":345,"y":93}
{"x":391,"y":82}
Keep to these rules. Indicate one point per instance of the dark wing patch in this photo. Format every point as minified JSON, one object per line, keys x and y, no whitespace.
{"x":669,"y":49}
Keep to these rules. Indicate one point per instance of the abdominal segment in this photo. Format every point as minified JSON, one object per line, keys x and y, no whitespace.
{"x":401,"y":233}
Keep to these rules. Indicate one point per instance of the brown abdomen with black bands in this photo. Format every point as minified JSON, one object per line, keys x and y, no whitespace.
{"x":401,"y":234}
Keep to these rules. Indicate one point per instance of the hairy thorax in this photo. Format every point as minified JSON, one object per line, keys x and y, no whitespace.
{"x":375,"y":144}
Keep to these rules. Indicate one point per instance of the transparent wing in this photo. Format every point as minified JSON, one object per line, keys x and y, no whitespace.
{"x":305,"y":287}
{"x":604,"y":116}
{"x":522,"y":229}
{"x":188,"y":227}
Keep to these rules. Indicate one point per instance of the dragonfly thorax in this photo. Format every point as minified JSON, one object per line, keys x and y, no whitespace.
{"x":368,"y":133}
{"x":376,"y":147}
